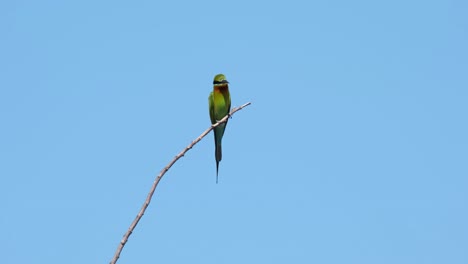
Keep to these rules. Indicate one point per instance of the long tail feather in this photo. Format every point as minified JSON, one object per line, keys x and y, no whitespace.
{"x":217,"y":166}
{"x":218,"y":155}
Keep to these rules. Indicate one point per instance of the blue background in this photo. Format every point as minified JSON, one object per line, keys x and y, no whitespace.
{"x":354,"y":149}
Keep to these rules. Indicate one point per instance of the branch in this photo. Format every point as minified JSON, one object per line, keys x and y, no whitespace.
{"x":159,"y":177}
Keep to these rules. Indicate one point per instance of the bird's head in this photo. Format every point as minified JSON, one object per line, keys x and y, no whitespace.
{"x":220,"y":79}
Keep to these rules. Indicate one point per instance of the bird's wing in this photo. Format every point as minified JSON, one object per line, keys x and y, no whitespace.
{"x":211,"y":108}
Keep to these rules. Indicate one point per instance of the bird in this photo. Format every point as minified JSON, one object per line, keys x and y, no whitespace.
{"x":219,"y":106}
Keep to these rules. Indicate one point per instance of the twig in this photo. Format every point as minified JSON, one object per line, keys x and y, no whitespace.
{"x":159,"y":177}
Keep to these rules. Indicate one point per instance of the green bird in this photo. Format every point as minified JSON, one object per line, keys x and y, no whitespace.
{"x":219,"y":105}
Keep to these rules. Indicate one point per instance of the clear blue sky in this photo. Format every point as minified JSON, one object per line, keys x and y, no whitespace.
{"x":354,"y":150}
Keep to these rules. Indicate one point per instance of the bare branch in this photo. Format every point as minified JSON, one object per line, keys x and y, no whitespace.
{"x":159,"y":177}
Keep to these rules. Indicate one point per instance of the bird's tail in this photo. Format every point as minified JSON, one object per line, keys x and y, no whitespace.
{"x":218,"y":155}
